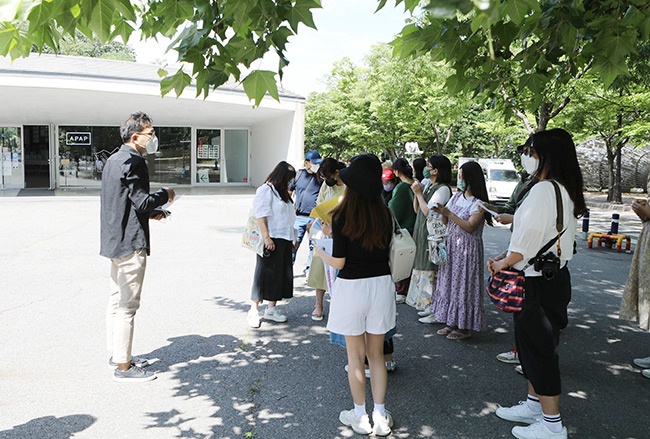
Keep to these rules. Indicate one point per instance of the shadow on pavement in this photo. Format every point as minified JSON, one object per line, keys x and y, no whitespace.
{"x":50,"y":427}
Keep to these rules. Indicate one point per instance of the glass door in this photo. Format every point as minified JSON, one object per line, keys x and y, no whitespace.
{"x":236,"y":152}
{"x":11,"y":158}
{"x":37,"y":156}
{"x":208,"y":156}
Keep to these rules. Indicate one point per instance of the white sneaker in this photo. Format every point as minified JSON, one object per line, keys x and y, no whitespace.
{"x":274,"y":315}
{"x":538,"y":430}
{"x":643,"y":362}
{"x":428,"y":319}
{"x":253,"y":318}
{"x":367,"y":371}
{"x":359,"y":425}
{"x":424,"y":312}
{"x":510,"y":357}
{"x":646,"y":373}
{"x":400,"y":299}
{"x":519,"y":413}
{"x":519,"y":369}
{"x":381,"y":424}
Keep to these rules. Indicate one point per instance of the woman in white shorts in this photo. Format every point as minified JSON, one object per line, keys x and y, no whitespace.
{"x":363,"y":297}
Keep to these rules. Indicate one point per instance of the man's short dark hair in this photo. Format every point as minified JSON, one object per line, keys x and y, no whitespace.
{"x":136,"y":123}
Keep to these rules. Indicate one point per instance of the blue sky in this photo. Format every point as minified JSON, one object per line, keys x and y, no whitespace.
{"x":346,"y":28}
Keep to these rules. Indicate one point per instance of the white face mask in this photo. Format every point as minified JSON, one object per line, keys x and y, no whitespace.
{"x":315,"y":167}
{"x":152,"y":145}
{"x":529,"y":163}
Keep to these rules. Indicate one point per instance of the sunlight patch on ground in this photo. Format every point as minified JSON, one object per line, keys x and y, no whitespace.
{"x":489,"y":409}
{"x":501,"y":330}
{"x":579,"y":394}
{"x":617,"y":369}
{"x":583,"y":326}
{"x":267,"y":415}
{"x":613,"y":340}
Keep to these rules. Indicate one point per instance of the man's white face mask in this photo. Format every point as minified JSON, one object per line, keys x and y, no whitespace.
{"x":315,"y":167}
{"x":152,"y":145}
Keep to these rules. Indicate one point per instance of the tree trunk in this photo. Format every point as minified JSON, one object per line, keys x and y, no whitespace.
{"x":544,"y":116}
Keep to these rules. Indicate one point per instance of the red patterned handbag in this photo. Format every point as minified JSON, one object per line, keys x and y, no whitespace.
{"x":506,"y":290}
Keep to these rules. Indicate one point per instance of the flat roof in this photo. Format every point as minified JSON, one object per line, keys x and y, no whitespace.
{"x":62,"y":66}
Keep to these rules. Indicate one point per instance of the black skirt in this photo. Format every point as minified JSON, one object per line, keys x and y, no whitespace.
{"x":273,"y":278}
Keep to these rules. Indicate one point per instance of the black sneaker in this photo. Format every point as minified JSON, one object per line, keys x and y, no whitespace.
{"x":135,"y":361}
{"x":133,"y":374}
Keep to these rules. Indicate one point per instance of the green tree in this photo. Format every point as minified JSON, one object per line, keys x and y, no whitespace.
{"x":332,"y":122}
{"x":619,"y":116}
{"x":525,"y":54}
{"x":389,"y":101}
{"x":81,"y":45}
{"x":532,"y":46}
{"x":218,"y":38}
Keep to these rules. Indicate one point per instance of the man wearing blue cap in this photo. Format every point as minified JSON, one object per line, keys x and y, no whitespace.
{"x":305,"y":187}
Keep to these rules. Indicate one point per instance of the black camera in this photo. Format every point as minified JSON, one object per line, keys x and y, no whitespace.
{"x":548,"y":265}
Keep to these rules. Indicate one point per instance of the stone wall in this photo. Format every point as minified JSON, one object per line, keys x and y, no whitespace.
{"x":635,"y":166}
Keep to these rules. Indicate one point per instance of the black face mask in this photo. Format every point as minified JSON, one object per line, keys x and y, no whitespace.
{"x":330,"y":182}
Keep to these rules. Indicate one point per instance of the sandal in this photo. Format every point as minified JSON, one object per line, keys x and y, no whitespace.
{"x":445,"y":331}
{"x":458,"y":335}
{"x":317,"y":314}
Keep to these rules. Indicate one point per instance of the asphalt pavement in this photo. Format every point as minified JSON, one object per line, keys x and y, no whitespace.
{"x":218,"y":378}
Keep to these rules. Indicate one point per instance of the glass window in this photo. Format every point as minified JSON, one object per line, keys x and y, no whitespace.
{"x":208,"y":156}
{"x":83,"y":150}
{"x":171,"y":164}
{"x":11,"y":158}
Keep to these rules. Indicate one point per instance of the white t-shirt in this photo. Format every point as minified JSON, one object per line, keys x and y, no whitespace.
{"x":280,"y":216}
{"x":534,"y":225}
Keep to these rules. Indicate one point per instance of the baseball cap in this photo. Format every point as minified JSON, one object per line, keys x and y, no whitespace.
{"x":313,"y":156}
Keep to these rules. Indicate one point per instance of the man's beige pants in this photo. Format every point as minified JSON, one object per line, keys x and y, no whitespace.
{"x":127,"y":274}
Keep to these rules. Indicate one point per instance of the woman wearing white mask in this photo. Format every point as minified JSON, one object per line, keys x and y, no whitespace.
{"x":458,"y":298}
{"x":556,"y":194}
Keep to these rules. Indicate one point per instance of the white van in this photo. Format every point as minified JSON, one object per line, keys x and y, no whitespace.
{"x":501,"y":178}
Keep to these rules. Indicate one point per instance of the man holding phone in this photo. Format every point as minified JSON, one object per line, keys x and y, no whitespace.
{"x":126,"y":207}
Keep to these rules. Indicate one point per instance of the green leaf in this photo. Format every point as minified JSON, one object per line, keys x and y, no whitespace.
{"x":258,"y":83}
{"x":609,"y":70}
{"x":8,"y":38}
{"x":301,"y":13}
{"x":101,"y":19}
{"x":176,"y":82}
{"x":516,"y":10}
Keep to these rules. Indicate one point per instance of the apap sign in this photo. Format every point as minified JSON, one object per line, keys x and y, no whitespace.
{"x":77,"y":138}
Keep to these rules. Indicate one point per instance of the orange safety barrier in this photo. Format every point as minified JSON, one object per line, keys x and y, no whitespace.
{"x":612,"y":237}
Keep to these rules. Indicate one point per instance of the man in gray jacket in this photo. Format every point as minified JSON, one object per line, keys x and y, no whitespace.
{"x":126,"y":207}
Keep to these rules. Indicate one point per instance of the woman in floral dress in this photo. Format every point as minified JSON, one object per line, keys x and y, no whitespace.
{"x":458,"y":299}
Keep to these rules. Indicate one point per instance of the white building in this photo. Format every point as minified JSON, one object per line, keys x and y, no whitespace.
{"x":60,"y":117}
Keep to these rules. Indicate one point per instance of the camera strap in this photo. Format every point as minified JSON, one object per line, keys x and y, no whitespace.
{"x":559,"y":223}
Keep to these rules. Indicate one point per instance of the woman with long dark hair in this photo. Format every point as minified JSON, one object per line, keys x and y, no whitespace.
{"x":363,"y":300}
{"x":544,"y":313}
{"x":437,"y":192}
{"x":458,"y":298}
{"x":273,"y":278}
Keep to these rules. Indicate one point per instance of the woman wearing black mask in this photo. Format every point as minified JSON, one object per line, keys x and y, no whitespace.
{"x":333,"y":187}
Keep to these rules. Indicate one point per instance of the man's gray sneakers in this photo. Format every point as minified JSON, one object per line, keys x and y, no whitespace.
{"x":135,"y":361}
{"x":134,"y":374}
